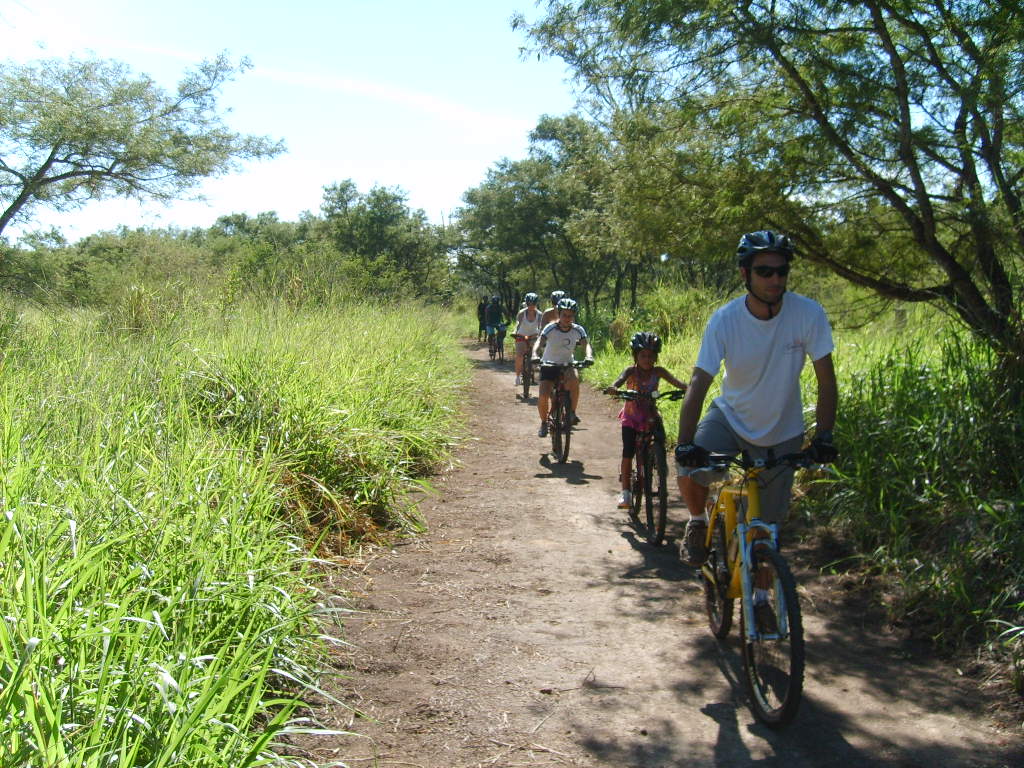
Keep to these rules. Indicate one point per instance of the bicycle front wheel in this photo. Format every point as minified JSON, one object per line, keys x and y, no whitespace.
{"x":636,"y":483}
{"x":774,"y":662}
{"x":555,"y":426}
{"x":656,"y":493}
{"x":527,"y":377}
{"x":716,"y":575}
{"x":564,"y":425}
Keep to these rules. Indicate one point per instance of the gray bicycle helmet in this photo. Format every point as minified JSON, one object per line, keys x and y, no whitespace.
{"x":557,"y":296}
{"x":567,"y":303}
{"x":645,"y":340}
{"x":762,"y":241}
{"x":531,"y":298}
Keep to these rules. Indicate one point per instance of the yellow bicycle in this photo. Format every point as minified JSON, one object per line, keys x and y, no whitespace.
{"x":744,"y":563}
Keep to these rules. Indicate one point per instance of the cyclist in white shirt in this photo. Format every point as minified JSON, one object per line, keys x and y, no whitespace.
{"x":528,"y":326}
{"x":558,"y":341}
{"x":763,"y":338}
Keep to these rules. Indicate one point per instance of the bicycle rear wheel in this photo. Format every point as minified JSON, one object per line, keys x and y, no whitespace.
{"x":774,"y":665}
{"x":716,"y":576}
{"x":564,"y":425}
{"x":656,"y":492}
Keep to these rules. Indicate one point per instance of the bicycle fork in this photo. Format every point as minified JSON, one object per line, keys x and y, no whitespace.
{"x":747,"y":578}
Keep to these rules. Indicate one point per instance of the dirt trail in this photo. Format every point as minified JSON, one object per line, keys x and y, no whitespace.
{"x":530,"y":627}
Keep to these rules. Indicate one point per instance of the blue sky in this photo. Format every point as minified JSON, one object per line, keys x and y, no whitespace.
{"x":421,"y":95}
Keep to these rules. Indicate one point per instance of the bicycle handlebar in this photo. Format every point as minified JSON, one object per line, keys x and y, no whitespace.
{"x":720,"y":461}
{"x":573,"y":364}
{"x":632,"y":394}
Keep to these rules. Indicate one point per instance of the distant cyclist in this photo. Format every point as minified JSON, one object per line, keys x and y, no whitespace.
{"x":528,"y":326}
{"x":763,"y":337}
{"x":494,"y":316}
{"x":551,"y":313}
{"x":555,"y":347}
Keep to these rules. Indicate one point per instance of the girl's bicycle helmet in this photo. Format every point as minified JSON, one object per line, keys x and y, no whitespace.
{"x":645,"y":340}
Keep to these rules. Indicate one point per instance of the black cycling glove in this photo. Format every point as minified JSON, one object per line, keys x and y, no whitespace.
{"x":821,"y":450}
{"x":691,"y":455}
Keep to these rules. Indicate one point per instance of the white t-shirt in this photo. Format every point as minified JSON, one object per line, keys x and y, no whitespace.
{"x":559,"y":344}
{"x":763,"y":359}
{"x":523,"y":325}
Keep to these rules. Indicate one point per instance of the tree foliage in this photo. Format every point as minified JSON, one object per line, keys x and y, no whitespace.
{"x":885,"y":135}
{"x":79,"y":130}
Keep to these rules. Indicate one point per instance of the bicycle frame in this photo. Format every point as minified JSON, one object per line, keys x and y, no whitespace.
{"x":739,"y":527}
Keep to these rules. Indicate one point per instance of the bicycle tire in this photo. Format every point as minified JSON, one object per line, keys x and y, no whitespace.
{"x":656,"y":493}
{"x":636,"y":484}
{"x":715,"y":576}
{"x":555,"y":425}
{"x":565,"y":425}
{"x":774,"y":668}
{"x":501,"y":351}
{"x":492,"y":348}
{"x":527,"y":379}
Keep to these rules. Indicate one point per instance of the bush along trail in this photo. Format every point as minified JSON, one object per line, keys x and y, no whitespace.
{"x":530,"y":625}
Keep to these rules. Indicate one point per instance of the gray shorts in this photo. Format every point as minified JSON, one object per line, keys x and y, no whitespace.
{"x":716,"y":436}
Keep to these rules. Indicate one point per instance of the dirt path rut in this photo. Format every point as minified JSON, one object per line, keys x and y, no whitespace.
{"x":530,"y":627}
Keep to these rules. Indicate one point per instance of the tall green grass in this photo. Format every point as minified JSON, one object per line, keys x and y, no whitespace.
{"x":162,"y":483}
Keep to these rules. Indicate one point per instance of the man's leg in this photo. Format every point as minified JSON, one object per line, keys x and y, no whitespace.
{"x":716,"y":436}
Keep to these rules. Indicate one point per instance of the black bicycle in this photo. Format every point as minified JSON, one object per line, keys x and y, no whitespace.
{"x":560,"y":415}
{"x":648,"y":481}
{"x":527,"y":367}
{"x":496,"y":342}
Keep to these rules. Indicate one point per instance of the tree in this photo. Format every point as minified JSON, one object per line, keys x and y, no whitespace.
{"x":395,"y":248}
{"x":887,"y":135}
{"x":79,"y":130}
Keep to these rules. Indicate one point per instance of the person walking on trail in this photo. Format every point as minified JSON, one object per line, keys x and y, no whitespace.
{"x":763,"y":338}
{"x":643,"y":376}
{"x":558,"y":342}
{"x":481,"y":310}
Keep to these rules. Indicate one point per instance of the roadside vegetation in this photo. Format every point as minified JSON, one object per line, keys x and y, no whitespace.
{"x":169,"y":488}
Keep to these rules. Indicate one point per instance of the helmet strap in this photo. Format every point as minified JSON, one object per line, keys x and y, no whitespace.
{"x":771,"y":305}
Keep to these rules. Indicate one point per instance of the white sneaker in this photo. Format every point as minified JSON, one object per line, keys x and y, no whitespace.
{"x":625,"y":500}
{"x":519,"y":380}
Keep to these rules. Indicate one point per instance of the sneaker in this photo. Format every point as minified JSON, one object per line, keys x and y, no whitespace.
{"x":764,"y":619}
{"x":693,"y":552}
{"x":543,"y":431}
{"x":575,"y":419}
{"x":519,"y":380}
{"x":625,"y":500}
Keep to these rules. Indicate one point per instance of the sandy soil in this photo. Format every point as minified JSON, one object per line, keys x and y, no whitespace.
{"x":531,"y":627}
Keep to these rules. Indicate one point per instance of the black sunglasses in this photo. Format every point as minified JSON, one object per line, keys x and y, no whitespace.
{"x":763,"y":270}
